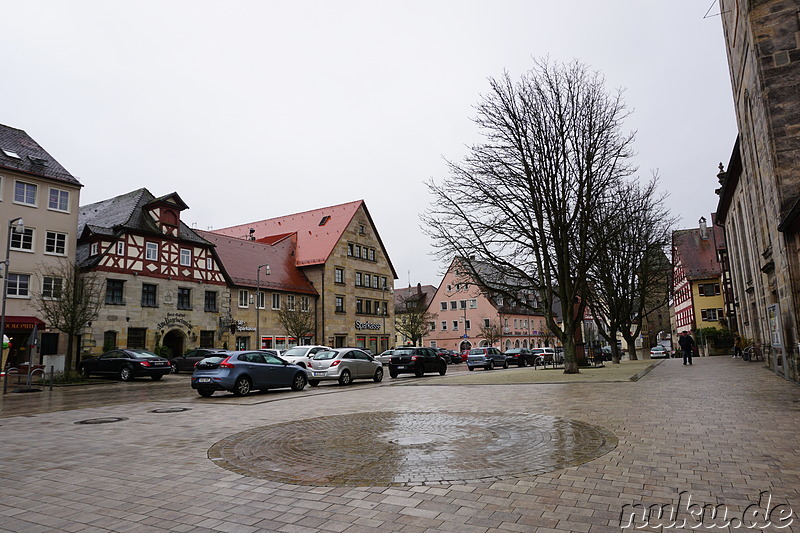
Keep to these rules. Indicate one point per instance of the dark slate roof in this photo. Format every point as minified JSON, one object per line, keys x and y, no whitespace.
{"x":33,"y":159}
{"x":422,"y":293}
{"x":241,"y":259}
{"x":123,"y":214}
{"x":698,"y":256}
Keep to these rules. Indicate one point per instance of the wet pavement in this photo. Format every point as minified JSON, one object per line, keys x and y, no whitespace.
{"x":411,"y":455}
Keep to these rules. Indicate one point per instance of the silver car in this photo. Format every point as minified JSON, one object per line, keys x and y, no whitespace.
{"x":343,"y":365}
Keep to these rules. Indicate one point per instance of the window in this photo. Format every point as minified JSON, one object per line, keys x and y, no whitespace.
{"x":455,"y":325}
{"x":210,"y":303}
{"x":25,"y":193}
{"x":357,"y":249}
{"x":207,"y":338}
{"x":486,"y":322}
{"x":114,"y":292}
{"x":260,"y":298}
{"x":385,"y":308}
{"x":55,"y":243}
{"x":184,"y":298}
{"x":368,"y":307}
{"x":276,"y":301}
{"x":467,"y":324}
{"x":304,"y":303}
{"x":340,"y":304}
{"x":462,"y":304}
{"x":244,"y":295}
{"x":359,"y":305}
{"x":94,"y":249}
{"x":151,"y":251}
{"x":149,"y":295}
{"x":120,"y":247}
{"x":137,"y":337}
{"x":358,"y":279}
{"x":22,"y":241}
{"x":58,"y":200}
{"x":453,"y":304}
{"x":19,"y":285}
{"x":709,"y":289}
{"x":209,"y":263}
{"x":473,"y":304}
{"x":443,"y":306}
{"x":367,"y":279}
{"x":711,"y":315}
{"x":290,"y":302}
{"x":52,"y":287}
{"x":350,"y":251}
{"x":432,"y":326}
{"x":109,"y":340}
{"x":186,"y":257}
{"x":444,"y":325}
{"x":383,"y":282}
{"x":371,"y":254}
{"x":376,"y":282}
{"x":338,"y":275}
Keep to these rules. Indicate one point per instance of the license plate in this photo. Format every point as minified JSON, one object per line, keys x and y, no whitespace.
{"x":204,"y":380}
{"x":318,"y":374}
{"x":401,"y":367}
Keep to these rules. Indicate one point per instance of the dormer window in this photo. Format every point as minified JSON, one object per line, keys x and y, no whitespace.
{"x":169,"y":217}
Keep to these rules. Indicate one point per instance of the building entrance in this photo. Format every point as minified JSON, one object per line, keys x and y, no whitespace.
{"x":175,"y":340}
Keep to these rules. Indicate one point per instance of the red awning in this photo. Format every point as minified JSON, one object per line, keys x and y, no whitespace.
{"x":23,"y":322}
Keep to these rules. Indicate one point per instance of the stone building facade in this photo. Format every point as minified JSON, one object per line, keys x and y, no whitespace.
{"x":341,"y":253}
{"x":759,"y":204}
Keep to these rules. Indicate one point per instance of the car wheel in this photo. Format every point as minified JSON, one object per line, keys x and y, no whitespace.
{"x":505,"y":364}
{"x":126,"y":373}
{"x":471,"y":368}
{"x":378,"y":377}
{"x":242,"y":386}
{"x":491,"y":366}
{"x":419,"y":371}
{"x":84,"y":371}
{"x":443,"y":370}
{"x":393,"y":373}
{"x":299,"y":381}
{"x":313,"y":382}
{"x":156,"y":377}
{"x":344,"y":379}
{"x":205,"y":393}
{"x":174,"y":368}
{"x":522,"y":363}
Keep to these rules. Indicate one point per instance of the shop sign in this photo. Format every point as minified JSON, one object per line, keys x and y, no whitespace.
{"x":174,"y":319}
{"x":367,"y":325}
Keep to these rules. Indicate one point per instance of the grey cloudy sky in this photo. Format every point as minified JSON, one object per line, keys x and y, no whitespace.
{"x":254,"y":109}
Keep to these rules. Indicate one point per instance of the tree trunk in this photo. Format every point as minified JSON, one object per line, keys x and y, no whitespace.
{"x":68,"y":356}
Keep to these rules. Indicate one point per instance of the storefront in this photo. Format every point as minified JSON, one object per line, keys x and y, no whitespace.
{"x":18,"y":329}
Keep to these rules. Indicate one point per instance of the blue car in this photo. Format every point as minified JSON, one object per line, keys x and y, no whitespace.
{"x":242,"y":372}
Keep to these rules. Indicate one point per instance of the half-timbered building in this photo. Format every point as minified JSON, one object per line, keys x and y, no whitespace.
{"x":163,"y":284}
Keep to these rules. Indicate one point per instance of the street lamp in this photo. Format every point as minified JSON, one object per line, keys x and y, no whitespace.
{"x":384,"y":312}
{"x":17,"y":226}
{"x":258,"y":302}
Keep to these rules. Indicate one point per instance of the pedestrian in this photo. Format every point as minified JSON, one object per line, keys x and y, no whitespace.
{"x":737,"y":345}
{"x":686,"y":342}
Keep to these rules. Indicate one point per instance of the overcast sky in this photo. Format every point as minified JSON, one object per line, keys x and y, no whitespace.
{"x":255,"y":109}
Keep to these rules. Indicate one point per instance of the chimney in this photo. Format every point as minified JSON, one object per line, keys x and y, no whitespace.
{"x":703,"y":229}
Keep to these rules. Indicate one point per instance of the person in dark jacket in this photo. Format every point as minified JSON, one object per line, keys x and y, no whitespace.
{"x":686,"y":342}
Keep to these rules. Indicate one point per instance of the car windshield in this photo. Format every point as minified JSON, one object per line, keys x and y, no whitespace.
{"x":324,"y":355}
{"x":296,"y":351}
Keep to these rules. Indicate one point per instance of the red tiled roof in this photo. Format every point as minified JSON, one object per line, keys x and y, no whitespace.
{"x":317,"y":231}
{"x":698,"y":256}
{"x":241,"y":259}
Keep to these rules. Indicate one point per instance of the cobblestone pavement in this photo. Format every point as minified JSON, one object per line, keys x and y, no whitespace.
{"x":722,"y":432}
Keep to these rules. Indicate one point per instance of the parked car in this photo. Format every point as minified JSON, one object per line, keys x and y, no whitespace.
{"x":658,"y":351}
{"x":127,"y":364}
{"x":464,"y":354}
{"x":486,"y":358}
{"x":301,"y":355}
{"x":385,"y":357}
{"x":520,"y":357}
{"x":416,"y":360}
{"x":455,"y":357}
{"x":444,"y":354}
{"x":242,"y":372}
{"x":546,"y":356}
{"x":186,"y":362}
{"x":344,"y":365}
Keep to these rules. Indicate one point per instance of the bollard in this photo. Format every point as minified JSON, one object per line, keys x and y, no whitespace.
{"x":52,"y":376}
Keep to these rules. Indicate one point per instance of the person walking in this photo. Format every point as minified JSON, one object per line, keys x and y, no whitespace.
{"x":686,"y":342}
{"x":737,"y":345}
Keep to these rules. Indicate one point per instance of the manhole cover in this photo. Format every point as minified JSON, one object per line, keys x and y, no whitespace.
{"x":171,"y":410}
{"x":108,"y":420}
{"x":375,"y":449}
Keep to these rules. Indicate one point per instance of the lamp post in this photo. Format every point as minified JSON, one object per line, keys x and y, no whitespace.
{"x":17,"y":226}
{"x":258,"y":302}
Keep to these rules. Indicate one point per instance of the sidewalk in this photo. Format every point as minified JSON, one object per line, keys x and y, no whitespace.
{"x":720,"y":432}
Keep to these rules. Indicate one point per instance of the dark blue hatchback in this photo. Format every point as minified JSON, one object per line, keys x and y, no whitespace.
{"x":242,"y":372}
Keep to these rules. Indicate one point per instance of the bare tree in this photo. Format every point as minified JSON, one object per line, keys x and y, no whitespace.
{"x":69,"y":300}
{"x":492,"y":332}
{"x":525,"y":199}
{"x":412,"y":319}
{"x":296,"y":322}
{"x":630,"y":280}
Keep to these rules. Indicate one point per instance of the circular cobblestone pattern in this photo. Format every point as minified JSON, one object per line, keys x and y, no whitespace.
{"x":381,"y":448}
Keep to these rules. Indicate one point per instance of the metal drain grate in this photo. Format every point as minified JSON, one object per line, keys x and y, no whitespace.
{"x":107,"y":420}
{"x":171,"y":410}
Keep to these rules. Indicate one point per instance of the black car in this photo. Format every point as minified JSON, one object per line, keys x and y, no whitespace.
{"x":417,"y":361}
{"x":127,"y":364}
{"x":520,"y":357}
{"x":186,"y":362}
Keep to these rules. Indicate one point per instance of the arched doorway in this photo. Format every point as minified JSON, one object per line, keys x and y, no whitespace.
{"x":465,"y":345}
{"x":175,"y":340}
